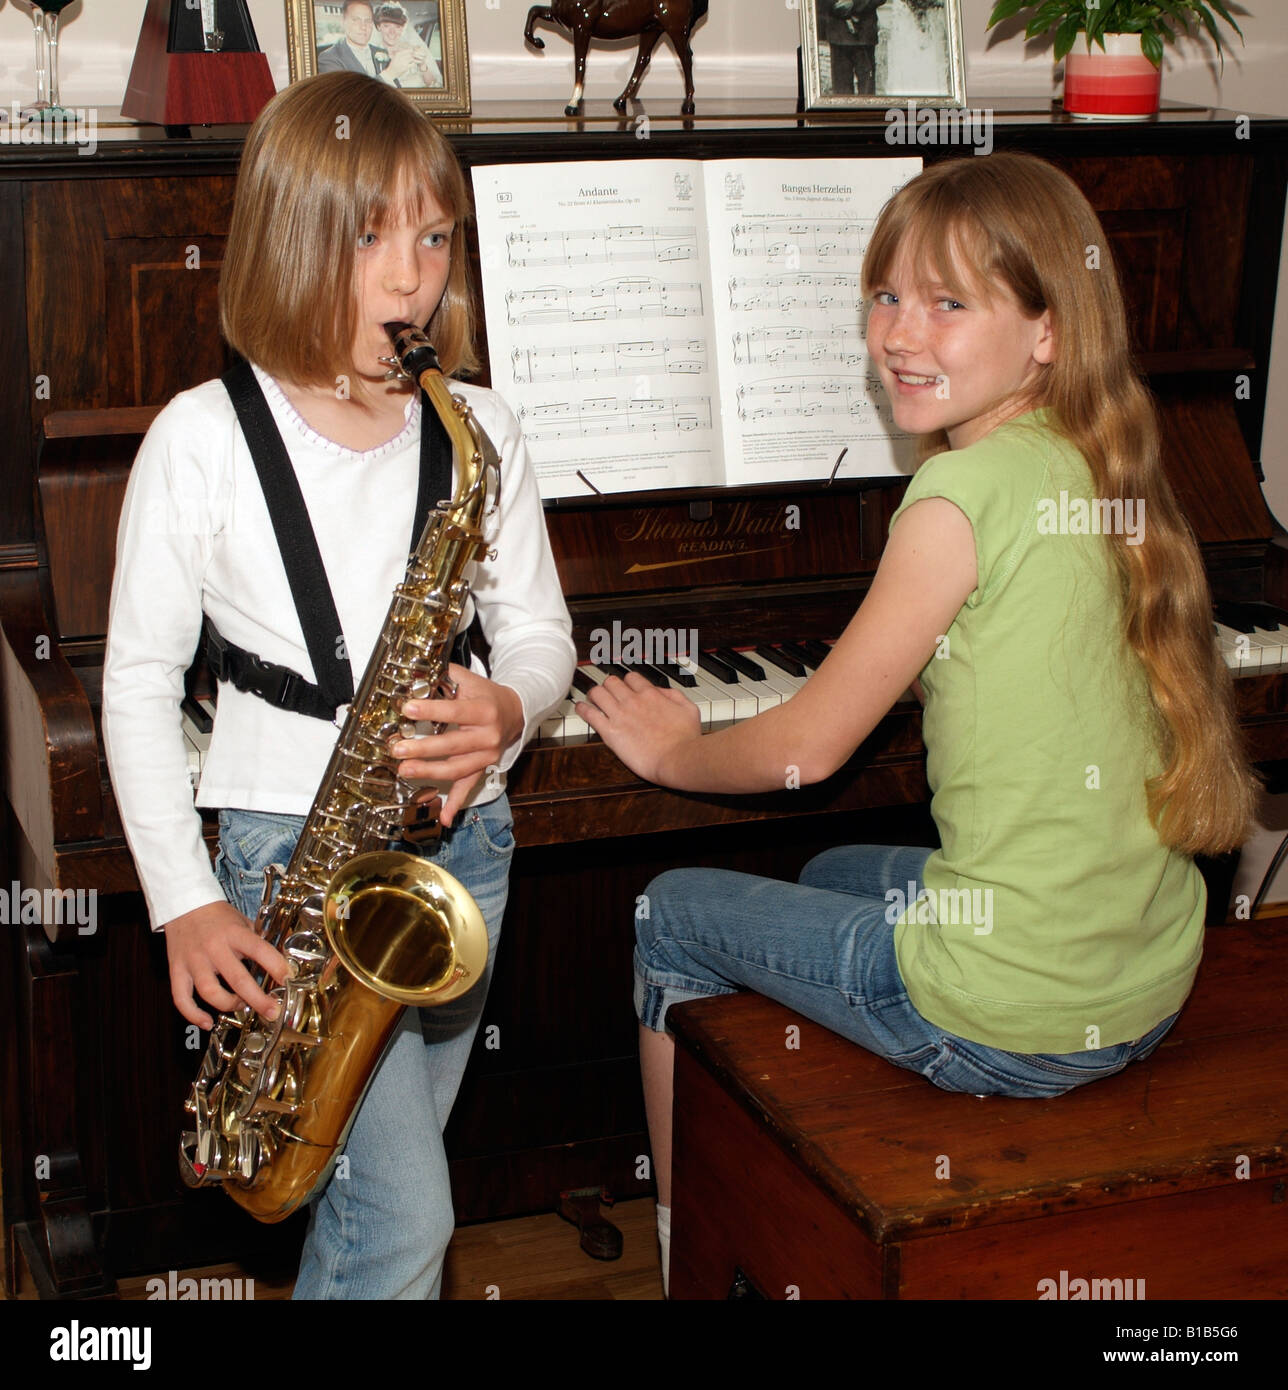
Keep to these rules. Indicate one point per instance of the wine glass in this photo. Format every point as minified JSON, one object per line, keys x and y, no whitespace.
{"x":44,"y":16}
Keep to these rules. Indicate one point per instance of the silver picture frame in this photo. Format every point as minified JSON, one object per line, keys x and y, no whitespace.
{"x":903,"y":50}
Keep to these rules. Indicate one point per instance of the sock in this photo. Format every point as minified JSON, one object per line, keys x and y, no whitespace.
{"x":664,"y":1240}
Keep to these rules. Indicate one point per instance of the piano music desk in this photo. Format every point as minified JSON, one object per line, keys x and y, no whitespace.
{"x":825,"y":1169}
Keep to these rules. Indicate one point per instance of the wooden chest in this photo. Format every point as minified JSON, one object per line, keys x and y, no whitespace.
{"x":817,"y":1170}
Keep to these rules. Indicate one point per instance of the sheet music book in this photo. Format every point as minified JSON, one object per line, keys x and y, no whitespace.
{"x":687,"y":323}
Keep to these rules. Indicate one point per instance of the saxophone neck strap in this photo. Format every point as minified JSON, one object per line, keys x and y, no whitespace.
{"x":302,"y":560}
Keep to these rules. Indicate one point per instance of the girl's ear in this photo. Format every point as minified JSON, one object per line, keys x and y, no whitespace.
{"x":1044,"y":346}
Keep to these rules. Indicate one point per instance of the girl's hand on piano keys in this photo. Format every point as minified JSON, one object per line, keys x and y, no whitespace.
{"x":643,"y":725}
{"x":207,"y":948}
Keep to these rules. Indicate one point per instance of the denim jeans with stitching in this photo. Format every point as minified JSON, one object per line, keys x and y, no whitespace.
{"x":380,"y":1227}
{"x":825,"y":948}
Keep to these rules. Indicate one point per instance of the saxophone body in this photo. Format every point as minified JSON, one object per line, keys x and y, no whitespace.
{"x":367,"y":930}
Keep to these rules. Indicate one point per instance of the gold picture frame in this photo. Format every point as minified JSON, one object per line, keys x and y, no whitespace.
{"x":428,"y":48}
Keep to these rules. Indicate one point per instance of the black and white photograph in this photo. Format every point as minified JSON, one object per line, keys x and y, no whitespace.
{"x":860,"y":53}
{"x":417,"y":46}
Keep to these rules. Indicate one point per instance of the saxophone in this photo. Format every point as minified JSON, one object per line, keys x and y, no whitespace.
{"x":366,"y":930}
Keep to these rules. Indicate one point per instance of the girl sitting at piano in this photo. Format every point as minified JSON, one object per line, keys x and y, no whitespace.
{"x":350,"y":214}
{"x":1081,"y":746}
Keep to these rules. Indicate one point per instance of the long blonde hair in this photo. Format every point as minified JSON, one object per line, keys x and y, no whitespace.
{"x":1015,"y":220}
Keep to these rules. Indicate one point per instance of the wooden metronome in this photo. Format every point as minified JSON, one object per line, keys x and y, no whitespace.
{"x":197,"y":63}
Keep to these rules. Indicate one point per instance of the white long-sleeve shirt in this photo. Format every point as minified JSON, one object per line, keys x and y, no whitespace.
{"x":195,"y":535}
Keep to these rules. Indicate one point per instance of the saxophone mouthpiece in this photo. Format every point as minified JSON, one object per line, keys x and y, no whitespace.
{"x":414,"y":352}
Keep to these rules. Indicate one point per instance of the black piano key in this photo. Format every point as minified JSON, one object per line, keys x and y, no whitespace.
{"x":819,"y":650}
{"x":799,"y":652}
{"x":1244,"y":617}
{"x":751,"y":669}
{"x":677,"y":674}
{"x":652,"y":675}
{"x":1234,"y":615}
{"x":193,"y":709}
{"x":610,"y":668}
{"x":582,"y":680}
{"x":778,"y":658}
{"x":721,"y":670}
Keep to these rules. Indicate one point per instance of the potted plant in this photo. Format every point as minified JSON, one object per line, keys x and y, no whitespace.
{"x":1122,"y":80}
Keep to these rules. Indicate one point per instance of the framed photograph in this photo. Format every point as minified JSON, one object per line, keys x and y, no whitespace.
{"x":882,"y":53}
{"x":415,"y":45}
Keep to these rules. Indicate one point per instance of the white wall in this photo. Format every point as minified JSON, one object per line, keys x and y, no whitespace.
{"x":746,"y":48}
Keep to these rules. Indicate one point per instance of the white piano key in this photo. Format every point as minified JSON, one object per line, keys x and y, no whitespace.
{"x":786,"y":684}
{"x":717,"y":697}
{"x":1241,"y":653}
{"x":195,"y":757}
{"x":575,"y":728}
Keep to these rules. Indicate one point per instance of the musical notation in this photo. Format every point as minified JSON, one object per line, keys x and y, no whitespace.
{"x":784,"y":238}
{"x":810,"y":397}
{"x":797,"y":292}
{"x":630,"y":297}
{"x":614,"y":415}
{"x":581,"y":362}
{"x":842,"y":347}
{"x":600,"y":246}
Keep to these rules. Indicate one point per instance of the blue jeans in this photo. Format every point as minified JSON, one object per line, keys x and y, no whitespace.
{"x":380,"y":1227}
{"x":825,"y":948}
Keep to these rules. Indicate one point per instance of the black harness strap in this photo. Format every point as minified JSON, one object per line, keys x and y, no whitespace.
{"x":305,"y":572}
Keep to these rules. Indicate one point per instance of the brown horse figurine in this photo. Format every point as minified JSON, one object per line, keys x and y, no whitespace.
{"x":622,"y":19}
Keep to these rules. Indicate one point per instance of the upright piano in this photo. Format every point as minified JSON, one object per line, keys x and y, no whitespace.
{"x":1193,"y":205}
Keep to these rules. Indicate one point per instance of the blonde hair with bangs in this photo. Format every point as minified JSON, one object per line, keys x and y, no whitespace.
{"x":328,"y":159}
{"x":1017,"y":221}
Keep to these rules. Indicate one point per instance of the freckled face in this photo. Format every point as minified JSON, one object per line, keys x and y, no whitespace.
{"x":953,"y":365}
{"x":402,"y":271}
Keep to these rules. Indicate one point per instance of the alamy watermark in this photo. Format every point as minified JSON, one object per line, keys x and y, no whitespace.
{"x":928,"y":125}
{"x":173,"y":1287}
{"x":50,"y":907}
{"x":62,"y":126}
{"x":1094,"y":516}
{"x":631,"y":646}
{"x":1096,"y":1289}
{"x":956,"y":907}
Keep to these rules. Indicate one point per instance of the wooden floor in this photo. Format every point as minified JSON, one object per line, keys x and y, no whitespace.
{"x":530,"y":1257}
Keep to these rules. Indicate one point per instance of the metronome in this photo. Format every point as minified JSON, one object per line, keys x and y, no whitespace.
{"x":197,"y":63}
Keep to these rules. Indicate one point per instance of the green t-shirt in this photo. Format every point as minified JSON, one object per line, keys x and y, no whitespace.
{"x":1055,"y":920}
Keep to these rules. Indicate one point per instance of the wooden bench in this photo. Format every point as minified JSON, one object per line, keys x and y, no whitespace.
{"x":822,"y":1171}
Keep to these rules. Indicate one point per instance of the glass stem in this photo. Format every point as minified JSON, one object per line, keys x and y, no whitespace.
{"x":42,"y":60}
{"x":51,"y":30}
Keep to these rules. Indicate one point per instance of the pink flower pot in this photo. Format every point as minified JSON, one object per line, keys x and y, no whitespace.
{"x":1120,"y":84}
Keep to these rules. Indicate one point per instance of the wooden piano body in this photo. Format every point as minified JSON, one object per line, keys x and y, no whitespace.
{"x":94,"y":1085}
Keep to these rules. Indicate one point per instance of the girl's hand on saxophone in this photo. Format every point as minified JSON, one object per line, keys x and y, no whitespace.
{"x":485,"y":720}
{"x":207,"y":948}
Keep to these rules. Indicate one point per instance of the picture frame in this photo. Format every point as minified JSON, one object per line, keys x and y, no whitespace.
{"x":428,"y":48}
{"x":888,"y":52}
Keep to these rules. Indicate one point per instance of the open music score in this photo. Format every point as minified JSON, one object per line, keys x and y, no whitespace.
{"x":565,"y":420}
{"x":730,"y":268}
{"x":589,"y":246}
{"x":607,"y":301}
{"x":655,"y":356}
{"x":825,"y":238}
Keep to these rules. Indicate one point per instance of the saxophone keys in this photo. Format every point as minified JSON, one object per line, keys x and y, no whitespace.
{"x":266,"y":1105}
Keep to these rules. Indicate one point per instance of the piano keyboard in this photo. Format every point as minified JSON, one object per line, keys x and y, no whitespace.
{"x":727,"y":685}
{"x":198,"y":720}
{"x":730,"y":684}
{"x":1252,"y":637}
